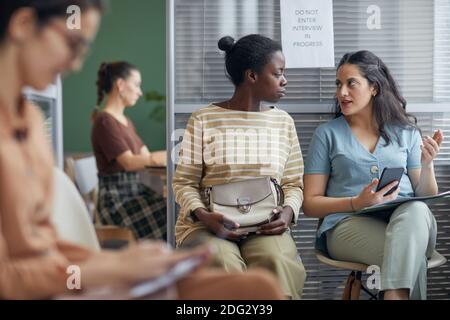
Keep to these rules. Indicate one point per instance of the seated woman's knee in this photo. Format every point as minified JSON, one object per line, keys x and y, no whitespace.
{"x":272,"y":260}
{"x":416,"y":210}
{"x":229,"y":260}
{"x":415,"y":217}
{"x":418,"y":206}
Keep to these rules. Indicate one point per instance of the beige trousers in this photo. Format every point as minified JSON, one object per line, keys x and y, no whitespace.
{"x":399,"y":244}
{"x":274,"y":253}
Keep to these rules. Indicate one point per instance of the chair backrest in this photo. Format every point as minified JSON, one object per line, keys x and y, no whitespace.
{"x":82,"y":170}
{"x":70,"y":215}
{"x":85,"y":174}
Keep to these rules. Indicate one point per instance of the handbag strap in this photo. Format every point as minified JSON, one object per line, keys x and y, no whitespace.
{"x":207,"y":194}
{"x":279,"y":190}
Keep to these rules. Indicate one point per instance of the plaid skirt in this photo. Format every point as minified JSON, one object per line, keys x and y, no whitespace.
{"x":125,"y":202}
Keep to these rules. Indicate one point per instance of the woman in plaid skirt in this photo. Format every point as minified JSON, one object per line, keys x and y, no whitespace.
{"x":123,"y":200}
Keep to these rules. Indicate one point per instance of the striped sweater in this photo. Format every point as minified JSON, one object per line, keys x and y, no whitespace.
{"x":222,"y":146}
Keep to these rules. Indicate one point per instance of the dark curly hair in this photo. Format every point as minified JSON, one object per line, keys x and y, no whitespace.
{"x":250,"y":52}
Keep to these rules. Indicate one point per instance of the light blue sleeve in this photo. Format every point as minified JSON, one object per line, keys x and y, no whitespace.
{"x":318,"y":159}
{"x":414,"y":152}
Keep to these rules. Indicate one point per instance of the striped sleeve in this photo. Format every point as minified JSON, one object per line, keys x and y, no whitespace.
{"x":186,"y":181}
{"x":291,"y":181}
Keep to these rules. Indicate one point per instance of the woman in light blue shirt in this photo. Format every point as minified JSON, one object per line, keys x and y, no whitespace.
{"x":372,"y":131}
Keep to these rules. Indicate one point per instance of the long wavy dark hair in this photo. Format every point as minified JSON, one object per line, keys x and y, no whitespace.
{"x":389,"y":106}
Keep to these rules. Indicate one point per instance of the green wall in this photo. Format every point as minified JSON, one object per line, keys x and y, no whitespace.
{"x":132,"y":30}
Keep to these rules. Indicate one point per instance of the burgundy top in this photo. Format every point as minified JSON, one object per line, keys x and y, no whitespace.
{"x":110,"y":138}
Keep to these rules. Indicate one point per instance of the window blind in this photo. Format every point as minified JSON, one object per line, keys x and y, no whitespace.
{"x":442,"y":51}
{"x":414,"y":41}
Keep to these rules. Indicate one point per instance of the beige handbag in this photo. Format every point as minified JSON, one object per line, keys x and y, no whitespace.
{"x":249,"y":203}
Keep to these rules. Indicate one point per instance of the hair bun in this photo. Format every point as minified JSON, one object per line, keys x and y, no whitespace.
{"x":104,"y":67}
{"x":226,"y":43}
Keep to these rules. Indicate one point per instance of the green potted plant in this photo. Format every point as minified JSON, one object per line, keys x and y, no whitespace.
{"x":158,"y":105}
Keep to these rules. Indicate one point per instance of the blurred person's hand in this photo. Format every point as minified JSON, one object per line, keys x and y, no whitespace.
{"x":144,"y":261}
{"x":153,"y":259}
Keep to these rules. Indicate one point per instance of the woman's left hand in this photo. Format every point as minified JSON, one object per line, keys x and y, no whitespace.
{"x":431,"y":147}
{"x":280,"y":222}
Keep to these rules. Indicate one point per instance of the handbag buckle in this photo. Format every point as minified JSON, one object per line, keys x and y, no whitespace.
{"x":243,"y":205}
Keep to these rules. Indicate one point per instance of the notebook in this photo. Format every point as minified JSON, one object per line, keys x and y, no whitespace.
{"x":445,"y":196}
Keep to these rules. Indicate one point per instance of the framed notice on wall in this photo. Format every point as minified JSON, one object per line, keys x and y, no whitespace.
{"x":307,"y":33}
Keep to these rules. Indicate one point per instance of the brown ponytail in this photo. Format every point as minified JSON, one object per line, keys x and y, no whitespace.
{"x":107,"y":75}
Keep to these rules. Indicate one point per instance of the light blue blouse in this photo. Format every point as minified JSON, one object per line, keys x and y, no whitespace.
{"x":335,"y":151}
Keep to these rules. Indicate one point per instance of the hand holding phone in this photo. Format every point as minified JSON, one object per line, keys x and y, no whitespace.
{"x":388,"y":176}
{"x":385,"y":191}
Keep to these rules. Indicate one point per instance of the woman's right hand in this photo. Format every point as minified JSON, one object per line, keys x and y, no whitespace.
{"x":223,"y":227}
{"x":143,"y":261}
{"x":150,"y":259}
{"x":368,"y":197}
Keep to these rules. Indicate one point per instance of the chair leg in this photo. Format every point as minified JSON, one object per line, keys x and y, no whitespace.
{"x":356,"y":287}
{"x":353,"y":287}
{"x":346,"y":295}
{"x":370,"y":294}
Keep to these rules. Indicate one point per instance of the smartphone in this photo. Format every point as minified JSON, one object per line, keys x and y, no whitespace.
{"x":180,"y":270}
{"x":388,"y":176}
